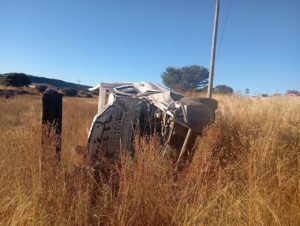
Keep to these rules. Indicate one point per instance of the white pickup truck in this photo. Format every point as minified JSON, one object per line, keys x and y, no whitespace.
{"x":146,"y":108}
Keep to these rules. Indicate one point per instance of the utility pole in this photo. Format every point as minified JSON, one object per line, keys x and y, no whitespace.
{"x":78,"y":84}
{"x":213,"y":51}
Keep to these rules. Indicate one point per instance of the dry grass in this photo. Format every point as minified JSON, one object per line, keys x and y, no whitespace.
{"x":245,"y":171}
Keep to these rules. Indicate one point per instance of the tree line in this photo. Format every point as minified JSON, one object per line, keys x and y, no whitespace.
{"x":190,"y":78}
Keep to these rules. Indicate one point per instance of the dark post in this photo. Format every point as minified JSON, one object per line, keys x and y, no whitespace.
{"x":51,"y":123}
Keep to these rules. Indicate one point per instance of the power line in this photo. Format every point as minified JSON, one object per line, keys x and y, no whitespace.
{"x":224,"y":28}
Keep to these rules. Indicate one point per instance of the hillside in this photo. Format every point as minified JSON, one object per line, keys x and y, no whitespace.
{"x":53,"y":82}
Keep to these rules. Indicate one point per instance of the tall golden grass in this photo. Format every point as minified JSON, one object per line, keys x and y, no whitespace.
{"x":245,"y":170}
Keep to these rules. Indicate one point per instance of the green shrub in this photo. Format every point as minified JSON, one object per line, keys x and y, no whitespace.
{"x":69,"y":92}
{"x":15,"y":79}
{"x":41,"y":88}
{"x":85,"y":94}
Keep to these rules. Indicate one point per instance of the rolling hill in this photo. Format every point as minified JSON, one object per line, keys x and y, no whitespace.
{"x":53,"y":82}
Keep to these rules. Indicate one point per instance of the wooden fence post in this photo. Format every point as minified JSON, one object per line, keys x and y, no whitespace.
{"x":51,"y":125}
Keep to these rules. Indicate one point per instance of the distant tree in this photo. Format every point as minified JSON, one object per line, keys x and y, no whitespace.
{"x":41,"y":88}
{"x":247,"y":91}
{"x":69,"y":92}
{"x":95,"y":92}
{"x":15,"y":79}
{"x":187,"y":78}
{"x":292,"y":93}
{"x":223,"y":89}
{"x":88,"y":95}
{"x":264,"y":95}
{"x":82,"y":93}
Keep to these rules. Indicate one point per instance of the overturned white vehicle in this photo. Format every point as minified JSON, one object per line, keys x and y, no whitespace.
{"x":146,"y":108}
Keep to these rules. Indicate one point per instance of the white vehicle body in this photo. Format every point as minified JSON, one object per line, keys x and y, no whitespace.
{"x":151,"y":108}
{"x":134,"y":89}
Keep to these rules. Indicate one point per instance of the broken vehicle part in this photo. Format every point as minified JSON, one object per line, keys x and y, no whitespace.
{"x":150,"y":109}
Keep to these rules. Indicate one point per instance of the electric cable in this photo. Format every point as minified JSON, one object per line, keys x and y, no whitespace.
{"x":224,"y":28}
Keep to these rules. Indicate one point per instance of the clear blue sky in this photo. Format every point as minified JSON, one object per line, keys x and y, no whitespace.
{"x":135,"y":40}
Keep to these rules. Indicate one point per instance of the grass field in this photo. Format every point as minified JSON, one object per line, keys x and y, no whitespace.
{"x":245,"y":170}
